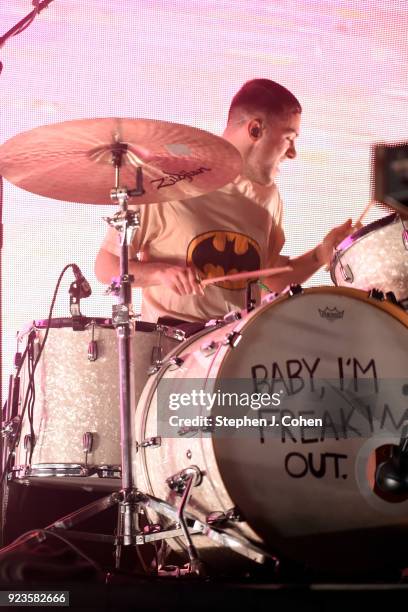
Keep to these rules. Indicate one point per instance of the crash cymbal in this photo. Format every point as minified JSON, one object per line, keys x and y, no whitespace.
{"x":72,"y":161}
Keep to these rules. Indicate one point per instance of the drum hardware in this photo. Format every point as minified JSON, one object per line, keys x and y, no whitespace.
{"x":390,"y":297}
{"x":250,"y":300}
{"x":232,"y":339}
{"x":295,"y":289}
{"x":376,"y":294}
{"x":153,"y":442}
{"x":174,"y":361}
{"x":180,"y":517}
{"x":346,"y":271}
{"x":178,"y":482}
{"x":209,"y":348}
{"x":87,"y":443}
{"x":113,"y":288}
{"x":238,"y":544}
{"x":156,"y":359}
{"x":50,"y":469}
{"x":177,"y":334}
{"x":93,"y":345}
{"x":109,"y":471}
{"x":234,"y":315}
{"x":219,"y":518}
{"x":28,"y":446}
{"x":10,"y":428}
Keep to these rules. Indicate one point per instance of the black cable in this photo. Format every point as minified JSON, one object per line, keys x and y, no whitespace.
{"x":35,"y":533}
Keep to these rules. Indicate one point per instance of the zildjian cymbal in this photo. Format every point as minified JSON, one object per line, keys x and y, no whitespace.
{"x":73,"y":161}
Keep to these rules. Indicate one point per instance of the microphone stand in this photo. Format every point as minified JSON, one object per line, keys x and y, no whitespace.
{"x":24,"y":23}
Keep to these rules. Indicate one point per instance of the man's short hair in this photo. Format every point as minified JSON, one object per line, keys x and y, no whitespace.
{"x":266,"y":97}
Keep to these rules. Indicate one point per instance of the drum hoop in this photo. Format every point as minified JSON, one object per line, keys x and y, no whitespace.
{"x":66,"y":322}
{"x":367,"y":229}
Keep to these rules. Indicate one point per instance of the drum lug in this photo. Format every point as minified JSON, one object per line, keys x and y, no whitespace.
{"x":295,"y":289}
{"x":87,"y":441}
{"x":177,"y":482}
{"x":376,"y":294}
{"x":174,"y":333}
{"x":390,"y":297}
{"x":209,"y":348}
{"x":346,"y":273}
{"x":232,"y":339}
{"x":153,"y":442}
{"x":230,"y":317}
{"x":156,"y":359}
{"x":177,"y":361}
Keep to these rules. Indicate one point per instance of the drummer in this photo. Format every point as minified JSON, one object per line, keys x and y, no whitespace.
{"x":236,"y":228}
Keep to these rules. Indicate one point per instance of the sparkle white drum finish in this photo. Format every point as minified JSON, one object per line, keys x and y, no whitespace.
{"x":75,"y":395}
{"x":335,"y":521}
{"x":375,"y":257}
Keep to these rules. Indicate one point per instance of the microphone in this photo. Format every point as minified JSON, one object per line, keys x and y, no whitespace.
{"x":392,"y":475}
{"x":83,"y":286}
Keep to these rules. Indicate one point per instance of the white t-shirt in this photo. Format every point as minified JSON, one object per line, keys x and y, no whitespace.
{"x":234,"y":229}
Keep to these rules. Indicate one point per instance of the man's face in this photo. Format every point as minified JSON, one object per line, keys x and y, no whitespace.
{"x":275,"y":144}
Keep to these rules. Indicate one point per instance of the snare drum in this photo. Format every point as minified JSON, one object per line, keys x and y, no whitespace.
{"x":306,"y":493}
{"x":75,"y":414}
{"x":375,"y":257}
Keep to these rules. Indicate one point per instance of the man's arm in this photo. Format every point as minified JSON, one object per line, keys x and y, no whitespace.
{"x":179,"y":279}
{"x":304,"y":266}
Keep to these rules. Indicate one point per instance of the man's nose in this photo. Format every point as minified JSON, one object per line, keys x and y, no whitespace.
{"x":291,"y":153}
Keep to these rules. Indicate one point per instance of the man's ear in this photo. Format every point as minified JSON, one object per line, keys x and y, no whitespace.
{"x":254,"y":129}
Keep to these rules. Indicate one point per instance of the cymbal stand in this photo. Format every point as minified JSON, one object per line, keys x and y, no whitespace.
{"x":125,"y":222}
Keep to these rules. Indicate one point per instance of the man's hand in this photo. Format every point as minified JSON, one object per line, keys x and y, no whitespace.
{"x":324,"y":251}
{"x":182,"y":281}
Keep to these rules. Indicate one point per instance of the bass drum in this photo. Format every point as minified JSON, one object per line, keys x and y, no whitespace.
{"x":307,"y":492}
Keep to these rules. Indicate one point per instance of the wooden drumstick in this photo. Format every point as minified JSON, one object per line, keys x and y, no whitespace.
{"x":356,"y":225}
{"x":244,"y":275}
{"x":364,"y":213}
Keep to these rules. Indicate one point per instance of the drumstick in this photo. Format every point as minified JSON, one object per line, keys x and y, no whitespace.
{"x":244,"y":275}
{"x":357,"y":223}
{"x":364,"y":213}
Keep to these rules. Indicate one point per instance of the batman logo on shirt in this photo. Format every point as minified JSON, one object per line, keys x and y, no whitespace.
{"x":218,"y":253}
